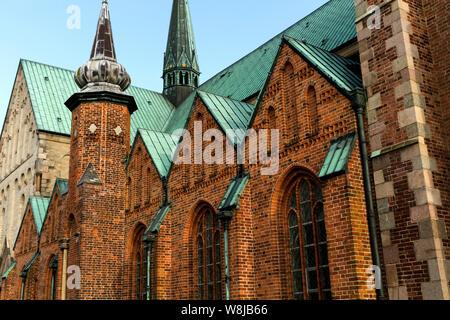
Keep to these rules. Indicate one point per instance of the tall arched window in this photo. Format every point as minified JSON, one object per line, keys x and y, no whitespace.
{"x":138,"y":178}
{"x":290,"y":99}
{"x":186,"y":78}
{"x":128,"y":195}
{"x":53,"y":266}
{"x":180,"y":78}
{"x":308,"y":242}
{"x":209,"y":271}
{"x":271,"y":125}
{"x":312,"y":111}
{"x":139,"y":263}
{"x":148,"y":186}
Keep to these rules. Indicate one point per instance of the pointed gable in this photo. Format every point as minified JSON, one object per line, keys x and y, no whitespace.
{"x":38,"y":207}
{"x":341,"y":72}
{"x":161,"y":147}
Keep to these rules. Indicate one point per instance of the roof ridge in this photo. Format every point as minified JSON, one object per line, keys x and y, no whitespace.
{"x":45,"y":64}
{"x":65,"y":69}
{"x":321,"y":49}
{"x":227,"y":98}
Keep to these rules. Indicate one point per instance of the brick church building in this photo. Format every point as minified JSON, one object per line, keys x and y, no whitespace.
{"x":344,"y":177}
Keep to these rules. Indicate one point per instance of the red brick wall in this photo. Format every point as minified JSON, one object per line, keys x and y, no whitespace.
{"x":98,"y":210}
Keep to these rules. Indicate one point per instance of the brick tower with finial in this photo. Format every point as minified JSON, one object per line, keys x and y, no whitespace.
{"x":100,"y":143}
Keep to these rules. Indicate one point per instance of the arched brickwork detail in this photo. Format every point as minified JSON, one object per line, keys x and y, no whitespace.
{"x":134,"y":249}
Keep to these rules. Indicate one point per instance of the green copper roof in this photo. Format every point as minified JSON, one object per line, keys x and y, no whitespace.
{"x":39,"y":206}
{"x":337,"y":158}
{"x":181,"y":52}
{"x":231,"y":198}
{"x":156,"y":223}
{"x":160,"y":147}
{"x":337,"y":69}
{"x":179,"y":116}
{"x":50,"y":87}
{"x":27,"y":267}
{"x":329,"y":27}
{"x":62,"y":185}
{"x":5,"y":275}
{"x":229,"y":114}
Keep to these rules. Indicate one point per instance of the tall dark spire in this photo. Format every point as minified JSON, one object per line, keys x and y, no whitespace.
{"x":103,"y":72}
{"x":181,"y":70}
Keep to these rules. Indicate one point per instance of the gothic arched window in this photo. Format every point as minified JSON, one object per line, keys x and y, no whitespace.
{"x":139,"y":266}
{"x":128,"y":195}
{"x":290,"y":99}
{"x":148,"y":186}
{"x":53,"y":266}
{"x":312,"y":111}
{"x":209,"y":282}
{"x":308,"y":242}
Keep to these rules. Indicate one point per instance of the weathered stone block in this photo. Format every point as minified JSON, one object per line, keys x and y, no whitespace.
{"x":418,"y":130}
{"x":434,"y":290}
{"x":391,"y":255}
{"x":391,"y":275}
{"x":427,"y":196}
{"x":432,"y":228}
{"x":410,"y":115}
{"x":386,"y":238}
{"x":402,"y":62}
{"x":383,"y":205}
{"x":385,"y":190}
{"x":381,"y":162}
{"x":414,"y":100}
{"x":378,"y":177}
{"x":425,"y":249}
{"x":424,"y":212}
{"x":437,"y":269}
{"x":420,"y":179}
{"x":414,"y":151}
{"x":424,"y":163}
{"x":387,"y":221}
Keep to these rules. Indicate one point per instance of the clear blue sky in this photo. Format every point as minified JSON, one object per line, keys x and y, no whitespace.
{"x":225,"y":31}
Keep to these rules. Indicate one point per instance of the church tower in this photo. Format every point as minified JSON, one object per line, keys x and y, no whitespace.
{"x":100,"y":143}
{"x":181,"y":71}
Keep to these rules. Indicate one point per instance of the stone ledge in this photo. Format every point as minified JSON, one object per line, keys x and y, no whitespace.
{"x":395,"y":147}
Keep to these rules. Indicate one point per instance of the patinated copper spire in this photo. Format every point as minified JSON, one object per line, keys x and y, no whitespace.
{"x":102,"y":72}
{"x":181,"y":71}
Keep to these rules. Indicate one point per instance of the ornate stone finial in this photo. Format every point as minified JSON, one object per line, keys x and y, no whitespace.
{"x":102,"y":72}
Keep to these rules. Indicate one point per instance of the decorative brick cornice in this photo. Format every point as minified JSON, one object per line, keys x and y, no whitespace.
{"x":104,"y":96}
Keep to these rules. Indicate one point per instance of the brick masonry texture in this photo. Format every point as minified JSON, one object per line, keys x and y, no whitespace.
{"x":103,"y":221}
{"x":408,"y":101}
{"x":405,"y":72}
